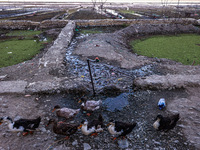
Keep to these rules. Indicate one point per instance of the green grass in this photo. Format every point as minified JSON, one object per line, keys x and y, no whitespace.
{"x":183,"y":48}
{"x":127,"y":11}
{"x":23,"y":33}
{"x":14,"y":51}
{"x":89,"y":31}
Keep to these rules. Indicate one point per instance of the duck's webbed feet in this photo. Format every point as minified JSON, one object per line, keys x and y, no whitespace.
{"x":67,"y":137}
{"x":88,"y":114}
{"x":94,"y":134}
{"x":114,"y":138}
{"x":25,"y":133}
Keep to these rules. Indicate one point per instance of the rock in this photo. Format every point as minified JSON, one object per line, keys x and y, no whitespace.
{"x":43,"y":129}
{"x":13,"y":87}
{"x":75,"y":143}
{"x":5,"y":105}
{"x":86,"y":146}
{"x":19,"y":134}
{"x":123,"y":143}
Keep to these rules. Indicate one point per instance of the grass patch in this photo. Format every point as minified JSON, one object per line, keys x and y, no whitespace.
{"x":184,"y":48}
{"x":89,"y":31}
{"x":14,"y":51}
{"x":127,"y":11}
{"x":23,"y":33}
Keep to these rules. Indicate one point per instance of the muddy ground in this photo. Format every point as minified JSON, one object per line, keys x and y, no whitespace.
{"x":139,"y":106}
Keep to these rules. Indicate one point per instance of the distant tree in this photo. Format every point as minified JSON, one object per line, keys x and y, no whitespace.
{"x":102,"y":2}
{"x":94,"y":2}
{"x":164,"y":4}
{"x":178,"y":9}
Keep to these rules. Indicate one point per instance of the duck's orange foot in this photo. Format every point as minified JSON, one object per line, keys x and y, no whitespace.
{"x":67,"y":137}
{"x":31,"y":132}
{"x":25,"y":133}
{"x":114,"y":138}
{"x":94,"y":134}
{"x":88,"y":114}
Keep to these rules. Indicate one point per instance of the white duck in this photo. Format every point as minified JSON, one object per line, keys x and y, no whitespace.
{"x":65,"y":112}
{"x":90,"y":105}
{"x":92,"y":127}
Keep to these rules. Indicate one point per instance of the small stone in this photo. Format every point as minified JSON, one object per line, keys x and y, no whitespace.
{"x":4,"y":134}
{"x":19,"y":134}
{"x":75,"y":143}
{"x":43,"y":129}
{"x":123,"y":143}
{"x":5,"y":105}
{"x":27,"y":95}
{"x":86,"y":146}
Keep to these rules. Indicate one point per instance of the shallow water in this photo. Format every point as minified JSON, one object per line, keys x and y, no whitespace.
{"x":113,"y":104}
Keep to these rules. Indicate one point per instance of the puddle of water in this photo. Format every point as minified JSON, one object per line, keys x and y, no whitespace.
{"x":113,"y":104}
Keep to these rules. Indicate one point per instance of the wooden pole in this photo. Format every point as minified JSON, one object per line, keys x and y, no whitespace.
{"x":88,"y":61}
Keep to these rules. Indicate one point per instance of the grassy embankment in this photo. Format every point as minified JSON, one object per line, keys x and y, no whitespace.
{"x":184,"y":48}
{"x":20,"y":46}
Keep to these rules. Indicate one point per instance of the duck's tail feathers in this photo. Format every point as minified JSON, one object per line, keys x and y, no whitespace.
{"x":129,"y":129}
{"x":176,"y":117}
{"x":100,"y":118}
{"x":38,"y":121}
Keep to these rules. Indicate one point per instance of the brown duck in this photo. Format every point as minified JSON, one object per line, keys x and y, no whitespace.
{"x":63,"y":128}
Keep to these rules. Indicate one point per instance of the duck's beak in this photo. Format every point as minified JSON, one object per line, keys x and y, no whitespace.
{"x":108,"y":124}
{"x":80,"y":101}
{"x":53,"y":110}
{"x":80,"y":126}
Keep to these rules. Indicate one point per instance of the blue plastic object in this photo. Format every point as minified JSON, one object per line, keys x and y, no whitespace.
{"x":161,"y":103}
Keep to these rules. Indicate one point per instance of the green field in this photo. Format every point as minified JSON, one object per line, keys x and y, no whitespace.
{"x":15,"y":50}
{"x":184,"y":48}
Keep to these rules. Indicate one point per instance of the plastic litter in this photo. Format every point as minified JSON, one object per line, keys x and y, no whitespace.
{"x":161,"y":103}
{"x":97,"y":59}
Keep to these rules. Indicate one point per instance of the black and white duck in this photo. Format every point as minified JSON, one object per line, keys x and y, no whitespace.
{"x":93,"y":127}
{"x":22,"y":125}
{"x":63,"y":128}
{"x":120,"y":128}
{"x":90,"y":105}
{"x":165,"y":123}
{"x":65,"y":112}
